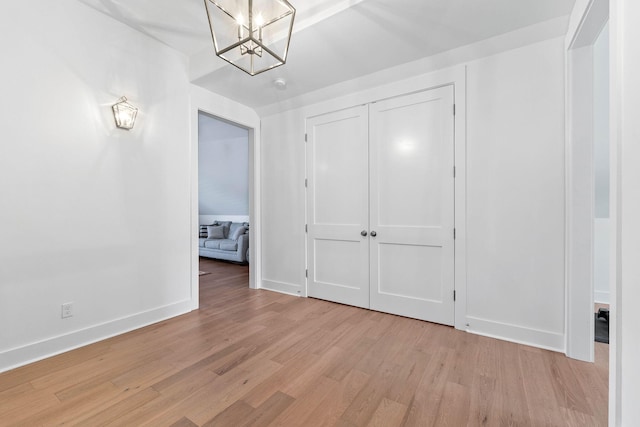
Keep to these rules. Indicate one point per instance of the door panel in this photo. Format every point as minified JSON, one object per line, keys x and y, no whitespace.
{"x":411,"y":205}
{"x":338,"y":206}
{"x":407,"y":270}
{"x":335,"y":261}
{"x":408,"y":155}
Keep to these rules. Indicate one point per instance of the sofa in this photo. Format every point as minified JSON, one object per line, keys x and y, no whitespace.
{"x":225,"y":240}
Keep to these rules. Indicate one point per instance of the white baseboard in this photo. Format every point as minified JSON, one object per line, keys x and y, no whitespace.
{"x":601,"y":297}
{"x":517,"y":334}
{"x":282,"y":287}
{"x":33,"y":352}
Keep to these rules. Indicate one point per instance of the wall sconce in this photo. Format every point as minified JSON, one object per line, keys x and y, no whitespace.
{"x":124,"y":114}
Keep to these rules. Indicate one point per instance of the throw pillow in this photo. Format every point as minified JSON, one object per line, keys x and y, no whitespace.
{"x":226,"y":225}
{"x":215,"y":232}
{"x":239,"y":231}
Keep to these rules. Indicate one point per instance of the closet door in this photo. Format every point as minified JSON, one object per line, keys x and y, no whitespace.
{"x":338,"y":206}
{"x":412,"y":205}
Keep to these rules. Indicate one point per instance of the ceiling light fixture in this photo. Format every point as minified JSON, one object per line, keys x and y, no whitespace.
{"x":280,"y":83}
{"x":252,"y":35}
{"x":124,"y":114}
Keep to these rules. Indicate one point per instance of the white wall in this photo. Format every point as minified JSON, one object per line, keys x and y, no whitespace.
{"x":601,"y":123}
{"x":77,"y":192}
{"x":223,"y":169}
{"x":601,"y":259}
{"x":601,"y":167}
{"x":515,"y":194}
{"x":283,"y":203}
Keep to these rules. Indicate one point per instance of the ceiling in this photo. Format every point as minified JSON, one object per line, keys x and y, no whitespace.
{"x":334,"y":40}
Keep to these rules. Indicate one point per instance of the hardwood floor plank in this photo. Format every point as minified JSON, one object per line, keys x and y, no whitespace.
{"x":331,"y":408}
{"x":235,"y":384}
{"x":296,"y":367}
{"x":403,"y":388}
{"x":423,"y":408}
{"x":307,"y":401}
{"x":483,"y":388}
{"x":539,"y":389}
{"x":454,"y":406}
{"x":363,"y":406}
{"x":173,"y":393}
{"x":20,"y":406}
{"x":388,"y":414}
{"x":117,"y":410}
{"x":100,"y":396}
{"x":296,"y":386}
{"x":510,"y":405}
{"x":39,"y":369}
{"x":184,"y":422}
{"x":568,"y":391}
{"x":268,"y":411}
{"x":254,"y":357}
{"x":233,"y":416}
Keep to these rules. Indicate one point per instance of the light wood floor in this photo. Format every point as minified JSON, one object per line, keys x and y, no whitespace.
{"x":261,"y":358}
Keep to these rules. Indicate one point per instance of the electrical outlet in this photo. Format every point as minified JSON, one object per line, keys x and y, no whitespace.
{"x":67,"y":310}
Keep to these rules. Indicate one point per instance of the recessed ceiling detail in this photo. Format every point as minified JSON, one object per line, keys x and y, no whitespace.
{"x":334,"y":41}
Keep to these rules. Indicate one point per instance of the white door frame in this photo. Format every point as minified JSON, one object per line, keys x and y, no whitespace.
{"x":586,"y":23}
{"x":456,"y":76}
{"x":224,"y":109}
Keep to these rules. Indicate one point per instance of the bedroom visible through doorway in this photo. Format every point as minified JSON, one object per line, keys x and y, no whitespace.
{"x":223,"y":192}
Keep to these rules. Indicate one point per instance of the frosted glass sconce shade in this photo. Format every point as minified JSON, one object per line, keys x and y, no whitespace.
{"x":252,"y":35}
{"x":124,"y":114}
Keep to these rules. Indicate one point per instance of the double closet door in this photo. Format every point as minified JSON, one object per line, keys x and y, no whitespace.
{"x":380,"y":206}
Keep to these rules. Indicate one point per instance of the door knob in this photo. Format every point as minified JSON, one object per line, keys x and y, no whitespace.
{"x":374,"y":234}
{"x":363,"y":233}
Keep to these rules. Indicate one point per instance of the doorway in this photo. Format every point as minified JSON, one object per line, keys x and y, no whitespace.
{"x":223,"y":194}
{"x":204,"y":103}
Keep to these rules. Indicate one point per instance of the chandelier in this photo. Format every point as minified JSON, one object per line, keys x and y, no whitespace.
{"x":252,"y":35}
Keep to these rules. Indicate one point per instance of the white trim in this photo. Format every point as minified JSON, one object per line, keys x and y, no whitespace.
{"x":207,"y":102}
{"x":518,"y":334}
{"x":618,"y":138}
{"x":49,"y":347}
{"x":460,"y":212}
{"x":579,"y":210}
{"x":586,"y":22}
{"x":282,"y":287}
{"x":601,"y":297}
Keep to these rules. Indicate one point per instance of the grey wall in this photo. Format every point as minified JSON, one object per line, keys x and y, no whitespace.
{"x":223,"y":167}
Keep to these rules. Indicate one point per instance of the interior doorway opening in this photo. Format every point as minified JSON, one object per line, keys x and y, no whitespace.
{"x":224,"y":184}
